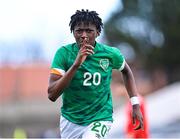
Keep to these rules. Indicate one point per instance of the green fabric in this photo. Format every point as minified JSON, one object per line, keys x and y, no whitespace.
{"x":88,"y":97}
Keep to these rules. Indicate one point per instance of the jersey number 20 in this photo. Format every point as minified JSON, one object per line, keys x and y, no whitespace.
{"x":96,"y":78}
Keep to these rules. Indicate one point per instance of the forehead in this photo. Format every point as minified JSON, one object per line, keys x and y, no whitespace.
{"x":85,"y":25}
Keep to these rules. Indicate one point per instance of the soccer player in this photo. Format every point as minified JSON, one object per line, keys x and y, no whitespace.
{"x":81,"y":73}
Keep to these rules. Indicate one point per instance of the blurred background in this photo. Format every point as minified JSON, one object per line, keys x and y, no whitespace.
{"x":146,"y":32}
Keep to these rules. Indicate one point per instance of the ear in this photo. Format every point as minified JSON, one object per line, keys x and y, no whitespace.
{"x":98,"y":33}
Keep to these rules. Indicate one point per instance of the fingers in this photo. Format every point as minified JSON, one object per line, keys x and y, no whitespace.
{"x":87,"y":49}
{"x":138,"y":127}
{"x":85,"y":40}
{"x":90,"y":50}
{"x":134,"y":120}
{"x":87,"y":46}
{"x":87,"y":52}
{"x":141,"y":123}
{"x":138,"y":122}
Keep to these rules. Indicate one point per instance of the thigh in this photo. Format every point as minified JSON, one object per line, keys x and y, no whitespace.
{"x":70,"y":130}
{"x":97,"y":130}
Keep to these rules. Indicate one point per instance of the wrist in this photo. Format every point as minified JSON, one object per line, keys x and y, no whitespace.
{"x":134,"y":100}
{"x":135,"y":107}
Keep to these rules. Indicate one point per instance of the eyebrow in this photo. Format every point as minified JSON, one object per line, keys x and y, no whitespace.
{"x":78,"y":28}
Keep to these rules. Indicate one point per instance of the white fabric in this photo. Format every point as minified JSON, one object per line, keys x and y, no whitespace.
{"x":134,"y":100}
{"x":123,"y":65}
{"x":71,"y":130}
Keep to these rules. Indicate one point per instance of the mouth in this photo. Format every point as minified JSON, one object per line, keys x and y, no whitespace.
{"x":83,"y":41}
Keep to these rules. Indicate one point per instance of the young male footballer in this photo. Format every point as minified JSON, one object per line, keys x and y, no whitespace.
{"x":81,"y":73}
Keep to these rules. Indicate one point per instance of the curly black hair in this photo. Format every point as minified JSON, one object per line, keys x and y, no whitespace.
{"x":86,"y":16}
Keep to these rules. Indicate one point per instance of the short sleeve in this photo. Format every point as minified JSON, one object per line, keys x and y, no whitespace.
{"x":58,"y":63}
{"x":118,"y":59}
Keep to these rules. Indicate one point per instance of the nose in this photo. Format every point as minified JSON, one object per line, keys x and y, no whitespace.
{"x":84,"y":34}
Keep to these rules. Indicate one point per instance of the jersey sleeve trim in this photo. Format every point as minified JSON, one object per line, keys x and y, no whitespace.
{"x":122,"y":66}
{"x":57,"y":71}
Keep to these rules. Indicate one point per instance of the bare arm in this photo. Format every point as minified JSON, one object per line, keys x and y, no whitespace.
{"x":132,"y":91}
{"x":57,"y":83}
{"x":129,"y":81}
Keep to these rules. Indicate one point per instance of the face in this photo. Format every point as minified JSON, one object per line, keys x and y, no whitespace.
{"x":88,"y":31}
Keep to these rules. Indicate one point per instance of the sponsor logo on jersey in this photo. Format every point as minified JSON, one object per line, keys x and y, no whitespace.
{"x":104,"y":63}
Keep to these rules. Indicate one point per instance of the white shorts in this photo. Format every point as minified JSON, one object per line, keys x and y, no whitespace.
{"x":96,"y":130}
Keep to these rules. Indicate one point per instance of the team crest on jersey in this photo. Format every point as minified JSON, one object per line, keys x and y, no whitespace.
{"x":104,"y":63}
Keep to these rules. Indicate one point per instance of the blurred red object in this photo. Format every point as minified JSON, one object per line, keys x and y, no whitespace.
{"x":129,"y":127}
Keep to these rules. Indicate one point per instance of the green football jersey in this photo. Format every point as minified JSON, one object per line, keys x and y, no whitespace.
{"x":88,"y":96}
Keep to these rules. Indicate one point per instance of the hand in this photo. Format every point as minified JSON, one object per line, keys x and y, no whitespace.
{"x":137,"y":117}
{"x":84,"y":51}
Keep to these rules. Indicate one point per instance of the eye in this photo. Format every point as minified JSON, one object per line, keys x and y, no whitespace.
{"x":89,"y":30}
{"x":79,"y":31}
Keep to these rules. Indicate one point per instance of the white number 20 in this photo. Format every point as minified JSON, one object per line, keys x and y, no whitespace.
{"x":96,"y":78}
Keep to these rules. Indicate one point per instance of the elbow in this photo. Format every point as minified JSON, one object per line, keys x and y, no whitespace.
{"x":51,"y":96}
